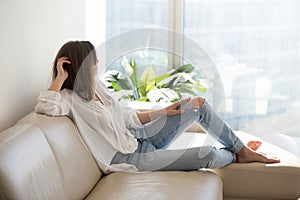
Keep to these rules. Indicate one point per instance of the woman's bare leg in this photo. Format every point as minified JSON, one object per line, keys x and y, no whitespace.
{"x":246,"y":153}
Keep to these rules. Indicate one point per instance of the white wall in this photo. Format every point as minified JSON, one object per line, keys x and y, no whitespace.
{"x":31,"y":33}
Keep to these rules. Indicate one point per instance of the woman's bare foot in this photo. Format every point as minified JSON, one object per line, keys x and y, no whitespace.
{"x":254,"y":145}
{"x":246,"y":155}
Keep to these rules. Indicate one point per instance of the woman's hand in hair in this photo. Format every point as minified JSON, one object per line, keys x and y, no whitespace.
{"x":62,"y":73}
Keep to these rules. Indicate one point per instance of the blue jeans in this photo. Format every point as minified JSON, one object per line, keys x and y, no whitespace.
{"x":154,"y":137}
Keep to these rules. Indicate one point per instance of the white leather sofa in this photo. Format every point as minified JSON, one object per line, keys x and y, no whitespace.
{"x":44,"y":157}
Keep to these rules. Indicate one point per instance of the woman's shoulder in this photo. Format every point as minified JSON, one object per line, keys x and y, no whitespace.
{"x":66,"y":92}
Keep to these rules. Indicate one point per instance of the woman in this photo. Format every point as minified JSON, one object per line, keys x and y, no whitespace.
{"x":122,"y":139}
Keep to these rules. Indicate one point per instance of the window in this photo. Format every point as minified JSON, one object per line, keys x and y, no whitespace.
{"x":254,"y":45}
{"x":257,"y":53}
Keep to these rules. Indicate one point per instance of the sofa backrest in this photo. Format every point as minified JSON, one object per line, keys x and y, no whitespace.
{"x":43,"y":157}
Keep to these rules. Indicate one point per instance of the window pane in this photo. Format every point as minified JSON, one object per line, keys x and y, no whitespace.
{"x":122,"y":16}
{"x":255,"y":45}
{"x":126,"y":40}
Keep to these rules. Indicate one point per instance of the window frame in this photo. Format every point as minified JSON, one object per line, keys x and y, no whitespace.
{"x":175,"y":23}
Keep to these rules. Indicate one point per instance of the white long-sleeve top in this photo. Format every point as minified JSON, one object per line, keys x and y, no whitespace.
{"x":103,"y":124}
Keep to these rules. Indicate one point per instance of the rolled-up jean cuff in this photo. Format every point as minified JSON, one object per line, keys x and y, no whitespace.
{"x":238,"y":145}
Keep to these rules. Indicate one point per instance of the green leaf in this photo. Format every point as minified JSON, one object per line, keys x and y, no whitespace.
{"x":124,"y":84}
{"x":200,"y":89}
{"x":159,"y":86}
{"x":143,"y":99}
{"x":113,"y":77}
{"x":171,"y":83}
{"x":118,"y":82}
{"x":188,"y":68}
{"x":184,"y":88}
{"x":174,"y":100}
{"x":162,"y":77}
{"x":141,"y":88}
{"x":148,"y":79}
{"x":115,"y":86}
{"x":199,"y":86}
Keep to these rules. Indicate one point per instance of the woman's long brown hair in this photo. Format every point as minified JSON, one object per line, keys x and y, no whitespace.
{"x":81,"y":71}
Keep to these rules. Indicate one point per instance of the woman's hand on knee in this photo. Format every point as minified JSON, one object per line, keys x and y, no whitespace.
{"x":173,"y":108}
{"x":195,"y":102}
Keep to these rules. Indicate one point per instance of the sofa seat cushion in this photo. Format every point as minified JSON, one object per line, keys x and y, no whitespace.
{"x":253,"y":180}
{"x":159,"y":185}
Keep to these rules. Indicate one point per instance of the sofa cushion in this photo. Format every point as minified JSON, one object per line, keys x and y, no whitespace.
{"x":264,"y":181}
{"x":253,"y":180}
{"x":43,"y":157}
{"x":159,"y":185}
{"x":26,"y":173}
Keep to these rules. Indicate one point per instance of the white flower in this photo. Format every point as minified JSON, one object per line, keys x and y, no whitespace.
{"x":127,"y":66}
